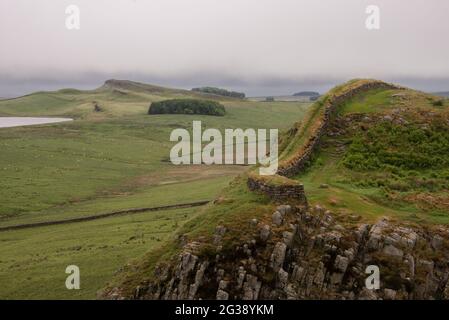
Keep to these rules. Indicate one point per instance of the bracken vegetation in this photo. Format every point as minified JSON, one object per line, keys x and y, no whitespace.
{"x":404,"y":159}
{"x":389,"y":146}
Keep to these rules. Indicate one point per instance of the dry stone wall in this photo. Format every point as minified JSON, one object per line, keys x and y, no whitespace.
{"x":294,"y":167}
{"x":299,"y":162}
{"x":278,"y":192}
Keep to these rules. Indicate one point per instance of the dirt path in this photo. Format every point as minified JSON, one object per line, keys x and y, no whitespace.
{"x":104,"y":215}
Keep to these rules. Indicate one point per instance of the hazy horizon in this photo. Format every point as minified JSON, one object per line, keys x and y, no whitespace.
{"x":261,"y":47}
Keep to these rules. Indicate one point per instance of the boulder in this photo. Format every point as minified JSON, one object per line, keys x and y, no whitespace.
{"x":278,"y":256}
{"x":284,"y":209}
{"x":437,"y":242}
{"x":282,"y":278}
{"x":392,"y":251}
{"x":389,"y":294}
{"x":222,"y":295}
{"x":253,"y":222}
{"x":264,"y":233}
{"x":251,"y":288}
{"x":341,"y":263}
{"x":287,"y":237}
{"x":277,"y":218}
{"x":367,"y":294}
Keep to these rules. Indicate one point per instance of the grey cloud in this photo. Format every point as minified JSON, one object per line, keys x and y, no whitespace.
{"x":261,"y":46}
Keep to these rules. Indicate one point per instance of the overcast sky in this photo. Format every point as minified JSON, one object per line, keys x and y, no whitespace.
{"x":258,"y":46}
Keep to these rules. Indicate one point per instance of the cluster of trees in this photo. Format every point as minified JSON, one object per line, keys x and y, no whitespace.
{"x":220,"y":92}
{"x":187,"y":106}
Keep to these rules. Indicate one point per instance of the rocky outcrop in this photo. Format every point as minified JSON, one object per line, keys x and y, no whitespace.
{"x":308,"y":254}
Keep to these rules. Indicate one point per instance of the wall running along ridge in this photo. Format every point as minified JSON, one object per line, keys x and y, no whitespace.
{"x":299,"y":161}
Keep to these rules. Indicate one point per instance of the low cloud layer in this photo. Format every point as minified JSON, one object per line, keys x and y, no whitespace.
{"x":260,"y":46}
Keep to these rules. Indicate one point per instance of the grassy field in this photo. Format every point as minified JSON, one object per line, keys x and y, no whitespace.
{"x":103,"y":161}
{"x":33,"y":261}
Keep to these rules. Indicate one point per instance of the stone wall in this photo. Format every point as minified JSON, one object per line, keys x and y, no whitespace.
{"x":299,"y":162}
{"x":295,"y":166}
{"x":279,"y":192}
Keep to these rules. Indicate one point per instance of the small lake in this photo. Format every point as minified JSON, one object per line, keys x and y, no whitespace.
{"x":7,"y":122}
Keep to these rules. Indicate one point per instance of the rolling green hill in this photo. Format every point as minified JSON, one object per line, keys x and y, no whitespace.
{"x":385,"y":155}
{"x":104,"y":161}
{"x":366,"y":150}
{"x":115,"y":97}
{"x":364,"y":154}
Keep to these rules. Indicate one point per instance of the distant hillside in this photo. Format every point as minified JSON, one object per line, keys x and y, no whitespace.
{"x":442,"y":94}
{"x":114,"y":98}
{"x":138,"y":87}
{"x":220,"y":92}
{"x":306,"y":94}
{"x":288,"y":98}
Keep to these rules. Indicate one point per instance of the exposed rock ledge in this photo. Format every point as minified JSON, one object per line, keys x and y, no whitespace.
{"x":307,"y":254}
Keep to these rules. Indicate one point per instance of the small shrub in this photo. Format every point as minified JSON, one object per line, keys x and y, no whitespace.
{"x":438,"y":103}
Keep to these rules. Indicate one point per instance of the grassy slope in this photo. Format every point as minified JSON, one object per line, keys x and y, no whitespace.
{"x":343,"y":196}
{"x":305,"y":128}
{"x":235,"y":209}
{"x":353,"y":191}
{"x":103,"y":161}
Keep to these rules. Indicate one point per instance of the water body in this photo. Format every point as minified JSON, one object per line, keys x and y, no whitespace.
{"x":8,"y":122}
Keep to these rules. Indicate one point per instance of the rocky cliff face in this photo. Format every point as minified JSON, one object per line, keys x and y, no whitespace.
{"x":309,"y":254}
